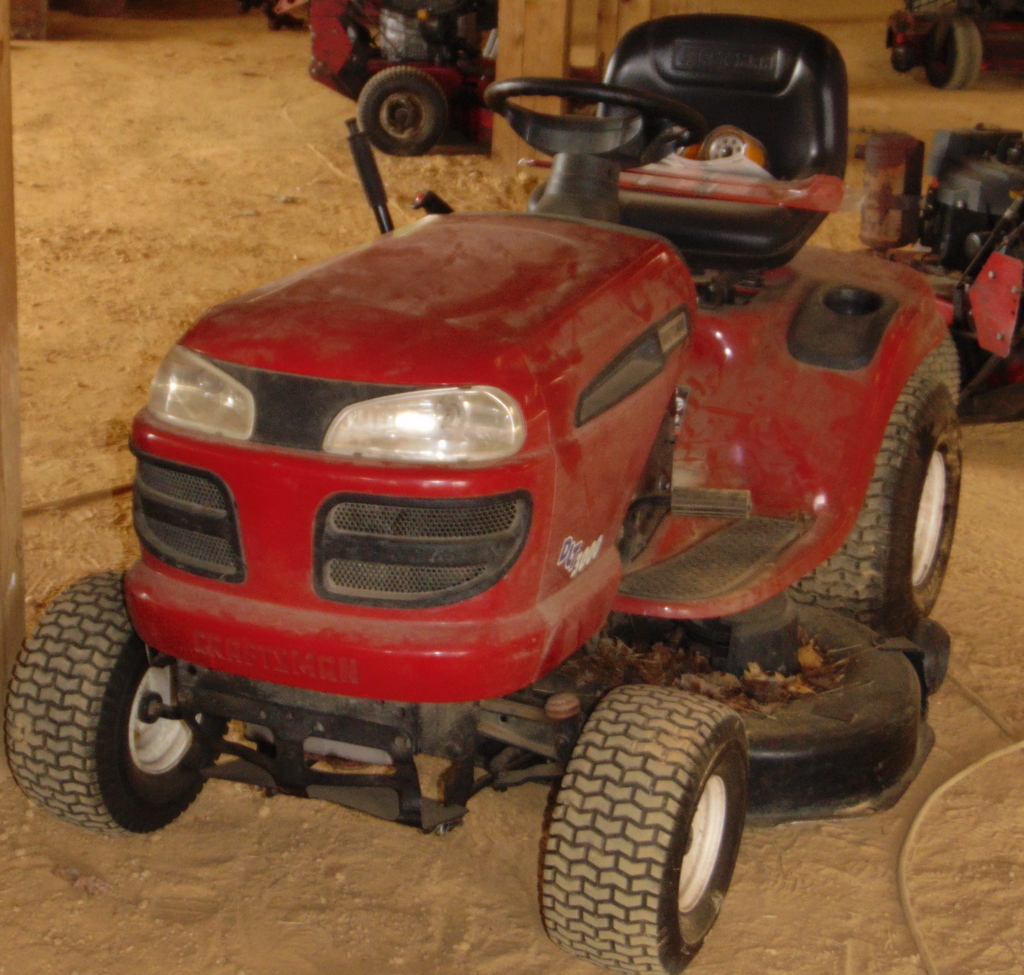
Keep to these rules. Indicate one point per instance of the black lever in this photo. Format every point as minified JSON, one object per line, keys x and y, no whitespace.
{"x":369,"y":175}
{"x":431,"y":203}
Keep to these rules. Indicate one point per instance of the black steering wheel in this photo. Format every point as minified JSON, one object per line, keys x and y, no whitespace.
{"x":622,"y":136}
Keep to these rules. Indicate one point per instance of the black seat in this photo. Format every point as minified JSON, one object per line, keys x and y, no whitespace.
{"x":783,"y":83}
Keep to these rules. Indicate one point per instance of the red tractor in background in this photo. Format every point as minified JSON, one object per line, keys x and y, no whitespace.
{"x":968,"y":228}
{"x":416,"y":68}
{"x":954,"y":39}
{"x":483,"y":488}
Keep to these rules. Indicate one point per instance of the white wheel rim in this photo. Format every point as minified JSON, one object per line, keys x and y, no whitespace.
{"x":930,"y":512}
{"x":708,"y":828}
{"x":159,"y":746}
{"x":729,"y":144}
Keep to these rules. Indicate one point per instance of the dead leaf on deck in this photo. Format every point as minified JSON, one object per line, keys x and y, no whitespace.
{"x":809,"y":657}
{"x":611,"y":661}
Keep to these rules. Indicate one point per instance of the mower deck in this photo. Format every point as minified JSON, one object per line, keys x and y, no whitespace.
{"x":854,"y":749}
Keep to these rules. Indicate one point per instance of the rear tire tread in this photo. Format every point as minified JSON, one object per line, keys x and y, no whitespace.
{"x":854,"y":579}
{"x":942,"y":365}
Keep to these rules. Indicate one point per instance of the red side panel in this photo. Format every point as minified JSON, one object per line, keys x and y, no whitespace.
{"x":995,"y":300}
{"x":332,"y":47}
{"x":802,"y":439}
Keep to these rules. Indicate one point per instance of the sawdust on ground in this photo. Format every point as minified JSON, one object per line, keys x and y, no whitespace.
{"x":165,"y":163}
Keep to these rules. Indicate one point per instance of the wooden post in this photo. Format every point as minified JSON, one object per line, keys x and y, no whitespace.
{"x":665,"y":8}
{"x":12,"y":600}
{"x":607,"y":29}
{"x":631,"y":13}
{"x":533,"y":39}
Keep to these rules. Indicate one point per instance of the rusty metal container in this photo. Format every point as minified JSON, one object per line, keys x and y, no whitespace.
{"x":891,"y":212}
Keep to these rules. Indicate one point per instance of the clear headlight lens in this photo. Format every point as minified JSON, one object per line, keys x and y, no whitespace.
{"x":190,"y":391}
{"x":469,"y":424}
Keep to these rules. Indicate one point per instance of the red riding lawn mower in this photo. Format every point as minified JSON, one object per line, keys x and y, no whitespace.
{"x":533,"y":494}
{"x":955,"y":39}
{"x":415,"y":67}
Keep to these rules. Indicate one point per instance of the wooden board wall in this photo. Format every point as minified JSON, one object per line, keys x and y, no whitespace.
{"x":598,"y":24}
{"x":542,"y":37}
{"x":533,"y":40}
{"x":12,"y":602}
{"x":546,"y":37}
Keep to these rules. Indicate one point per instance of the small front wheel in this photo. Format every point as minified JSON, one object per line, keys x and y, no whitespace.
{"x":82,"y":739}
{"x":402,"y":111}
{"x":646,"y":830}
{"x":953,"y":53}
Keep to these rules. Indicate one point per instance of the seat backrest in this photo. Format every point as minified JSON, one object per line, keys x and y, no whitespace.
{"x":782,"y":82}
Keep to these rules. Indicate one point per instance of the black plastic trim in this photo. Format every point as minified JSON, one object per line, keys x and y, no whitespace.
{"x":151,"y":507}
{"x":635,"y":366}
{"x":840,"y":326}
{"x":758,"y":65}
{"x":296,"y":411}
{"x":855,"y":747}
{"x":498,"y":551}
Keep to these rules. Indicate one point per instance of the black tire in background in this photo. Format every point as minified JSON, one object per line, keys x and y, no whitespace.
{"x":646,"y":830}
{"x":953,"y":53}
{"x":75,"y":741}
{"x":889,"y":571}
{"x":403,"y":111}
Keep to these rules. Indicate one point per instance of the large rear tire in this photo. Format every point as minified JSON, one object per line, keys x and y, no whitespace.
{"x":646,"y":830}
{"x":889,"y":570}
{"x":77,"y":741}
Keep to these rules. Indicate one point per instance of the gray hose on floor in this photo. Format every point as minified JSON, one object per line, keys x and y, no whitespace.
{"x":909,"y":841}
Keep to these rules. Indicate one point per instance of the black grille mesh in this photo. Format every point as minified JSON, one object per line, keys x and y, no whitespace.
{"x":406,"y":552}
{"x":182,"y":486}
{"x":347,"y":575}
{"x":400,"y":521}
{"x":195,"y":546}
{"x":185,"y":516}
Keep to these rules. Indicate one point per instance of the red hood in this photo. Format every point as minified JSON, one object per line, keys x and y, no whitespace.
{"x":460,"y":299}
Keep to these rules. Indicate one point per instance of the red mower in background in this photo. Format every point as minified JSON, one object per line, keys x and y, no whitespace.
{"x":485,"y":488}
{"x":953,"y":40}
{"x":969,"y":231}
{"x":415,"y":68}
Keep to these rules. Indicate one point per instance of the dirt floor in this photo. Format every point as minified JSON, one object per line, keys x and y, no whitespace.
{"x":167,"y":162}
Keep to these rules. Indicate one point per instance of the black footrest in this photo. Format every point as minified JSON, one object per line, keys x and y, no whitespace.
{"x":722,"y":562}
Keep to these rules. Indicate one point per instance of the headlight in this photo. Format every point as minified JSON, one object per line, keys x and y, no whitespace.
{"x":190,"y":391}
{"x":469,"y":424}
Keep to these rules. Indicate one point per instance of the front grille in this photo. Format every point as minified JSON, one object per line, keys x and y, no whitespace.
{"x":351,"y":574}
{"x":495,"y":517}
{"x":409,"y":552}
{"x":186,"y":517}
{"x":182,"y":486}
{"x":193,"y":546}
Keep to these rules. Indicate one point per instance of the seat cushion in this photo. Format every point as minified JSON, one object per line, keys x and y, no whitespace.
{"x":783,"y":83}
{"x":719,"y":234}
